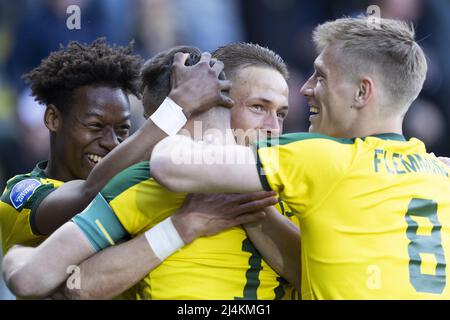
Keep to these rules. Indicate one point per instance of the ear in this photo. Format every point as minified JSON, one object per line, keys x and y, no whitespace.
{"x":53,"y":118}
{"x":364,"y":93}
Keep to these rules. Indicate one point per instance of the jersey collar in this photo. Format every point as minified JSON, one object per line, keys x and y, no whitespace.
{"x":389,"y":136}
{"x":39,"y":169}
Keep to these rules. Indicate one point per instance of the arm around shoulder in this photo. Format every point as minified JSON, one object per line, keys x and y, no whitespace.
{"x":183,"y":165}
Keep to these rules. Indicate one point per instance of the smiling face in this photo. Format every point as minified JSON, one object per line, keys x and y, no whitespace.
{"x":261,"y":101}
{"x":330,"y":92}
{"x":98,"y":120}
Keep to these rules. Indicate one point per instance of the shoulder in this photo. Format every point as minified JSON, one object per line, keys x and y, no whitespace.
{"x":25,"y":190}
{"x":306,"y":148}
{"x":19,"y":189}
{"x":126,"y":179}
{"x":303,"y":137}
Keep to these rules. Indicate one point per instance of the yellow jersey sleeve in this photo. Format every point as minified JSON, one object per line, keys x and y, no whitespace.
{"x":129,"y":204}
{"x":138,"y":201}
{"x":303,"y":167}
{"x":19,"y":201}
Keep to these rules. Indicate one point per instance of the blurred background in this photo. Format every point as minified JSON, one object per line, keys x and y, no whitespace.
{"x":31,"y":29}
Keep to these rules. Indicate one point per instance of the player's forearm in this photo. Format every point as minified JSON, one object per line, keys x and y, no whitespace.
{"x":72,"y":197}
{"x":182,"y":165}
{"x":61,"y":205}
{"x":114,"y":270}
{"x":278,"y":241}
{"x":12,"y":264}
{"x":37,"y":272}
{"x":21,"y":277}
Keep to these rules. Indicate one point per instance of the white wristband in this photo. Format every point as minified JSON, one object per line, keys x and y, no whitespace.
{"x":169,"y":117}
{"x":164,"y":239}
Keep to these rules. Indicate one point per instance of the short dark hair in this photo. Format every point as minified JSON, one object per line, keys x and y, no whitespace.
{"x":67,"y":69}
{"x":156,"y":72}
{"x":239,"y":55}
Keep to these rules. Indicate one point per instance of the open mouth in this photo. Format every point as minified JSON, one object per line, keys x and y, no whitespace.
{"x":313,"y":111}
{"x":94,"y":158}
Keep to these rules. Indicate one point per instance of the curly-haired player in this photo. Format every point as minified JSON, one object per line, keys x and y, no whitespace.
{"x":85,"y":90}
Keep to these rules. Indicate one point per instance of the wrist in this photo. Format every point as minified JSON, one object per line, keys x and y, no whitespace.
{"x":169,"y":117}
{"x":164,"y":239}
{"x":184,"y":228}
{"x":179,"y":99}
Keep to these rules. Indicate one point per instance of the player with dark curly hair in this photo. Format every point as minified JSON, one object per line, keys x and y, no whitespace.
{"x":85,"y":89}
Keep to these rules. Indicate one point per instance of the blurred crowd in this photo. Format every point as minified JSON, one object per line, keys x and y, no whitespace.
{"x":31,"y":29}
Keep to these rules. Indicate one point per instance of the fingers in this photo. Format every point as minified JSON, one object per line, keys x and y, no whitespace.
{"x":206,"y":57}
{"x":258,"y":204}
{"x":180,"y":58}
{"x":224,"y":100}
{"x":225,"y":85}
{"x":248,"y":218}
{"x":218,"y":66}
{"x":252,"y":196}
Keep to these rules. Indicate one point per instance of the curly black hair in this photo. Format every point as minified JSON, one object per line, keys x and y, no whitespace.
{"x":54,"y":80}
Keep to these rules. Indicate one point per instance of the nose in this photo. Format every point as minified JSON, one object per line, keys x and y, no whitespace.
{"x":307,"y":89}
{"x":272,"y":125}
{"x":109,"y":139}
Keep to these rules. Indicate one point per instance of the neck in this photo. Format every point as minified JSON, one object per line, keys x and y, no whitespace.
{"x":370,"y":123}
{"x":389,"y":126}
{"x":56,"y":170}
{"x":212,"y":125}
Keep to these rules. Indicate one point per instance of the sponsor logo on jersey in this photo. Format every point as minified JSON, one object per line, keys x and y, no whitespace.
{"x":22,"y":191}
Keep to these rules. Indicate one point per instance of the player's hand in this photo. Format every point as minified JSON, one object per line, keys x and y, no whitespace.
{"x":206,"y":215}
{"x":197,"y":88}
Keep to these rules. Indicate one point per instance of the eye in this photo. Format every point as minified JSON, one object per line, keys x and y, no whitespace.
{"x":281,"y":115}
{"x":125,"y":127}
{"x":257,"y":108}
{"x":124,"y":130}
{"x":319,"y":76}
{"x":95,"y":125}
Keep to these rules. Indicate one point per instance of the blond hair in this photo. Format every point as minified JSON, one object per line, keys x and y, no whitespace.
{"x":388,"y":52}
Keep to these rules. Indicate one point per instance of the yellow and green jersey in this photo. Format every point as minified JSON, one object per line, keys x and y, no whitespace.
{"x":374,"y":214}
{"x":223,"y":266}
{"x":21,"y":197}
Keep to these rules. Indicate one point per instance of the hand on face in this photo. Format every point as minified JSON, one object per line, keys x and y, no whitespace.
{"x":197,"y":88}
{"x":209,"y":214}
